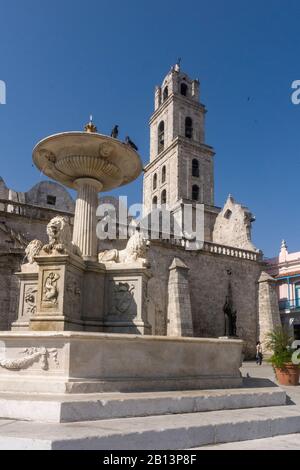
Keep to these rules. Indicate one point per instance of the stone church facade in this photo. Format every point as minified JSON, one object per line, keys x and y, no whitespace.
{"x":188,"y":289}
{"x":181,"y":171}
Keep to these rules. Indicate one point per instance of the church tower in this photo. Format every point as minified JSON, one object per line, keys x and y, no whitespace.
{"x":181,"y":168}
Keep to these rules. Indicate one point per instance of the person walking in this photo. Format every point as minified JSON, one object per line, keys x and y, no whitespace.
{"x":259,"y":354}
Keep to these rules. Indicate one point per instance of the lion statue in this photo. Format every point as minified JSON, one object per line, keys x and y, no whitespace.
{"x":60,"y":238}
{"x":32,"y":250}
{"x":135,"y":251}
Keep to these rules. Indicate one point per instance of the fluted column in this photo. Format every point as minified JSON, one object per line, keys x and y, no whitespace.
{"x":84,"y":234}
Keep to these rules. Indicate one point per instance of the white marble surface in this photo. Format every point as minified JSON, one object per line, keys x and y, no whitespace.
{"x":288,"y":442}
{"x":99,"y":362}
{"x":181,"y":431}
{"x":75,"y":408}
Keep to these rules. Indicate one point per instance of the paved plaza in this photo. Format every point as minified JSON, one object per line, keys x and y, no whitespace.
{"x":255,"y":374}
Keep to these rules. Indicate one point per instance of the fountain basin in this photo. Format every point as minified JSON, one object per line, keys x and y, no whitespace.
{"x":68,"y":156}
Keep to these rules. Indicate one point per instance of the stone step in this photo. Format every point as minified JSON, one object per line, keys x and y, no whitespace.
{"x":181,"y":431}
{"x":91,"y":407}
{"x":285,"y":442}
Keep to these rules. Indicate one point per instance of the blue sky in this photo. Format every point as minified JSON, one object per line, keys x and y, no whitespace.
{"x":64,"y":59}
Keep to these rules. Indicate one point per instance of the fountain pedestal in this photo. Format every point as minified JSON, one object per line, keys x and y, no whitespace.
{"x":65,"y":293}
{"x":126,"y":300}
{"x":75,"y":362}
{"x":59,"y":294}
{"x":84,"y":234}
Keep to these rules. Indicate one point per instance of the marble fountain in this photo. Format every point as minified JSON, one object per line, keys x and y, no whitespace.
{"x":82,"y":325}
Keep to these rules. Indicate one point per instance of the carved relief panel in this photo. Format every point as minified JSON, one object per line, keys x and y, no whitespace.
{"x":73,"y":294}
{"x":50,"y":287}
{"x":28,"y":300}
{"x":29,"y":356}
{"x":122,"y":299}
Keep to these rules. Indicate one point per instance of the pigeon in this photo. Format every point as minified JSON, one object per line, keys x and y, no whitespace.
{"x":128,"y":141}
{"x":115,"y":132}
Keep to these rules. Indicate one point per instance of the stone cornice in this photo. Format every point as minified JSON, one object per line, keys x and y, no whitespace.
{"x":161,"y":155}
{"x":206,"y":149}
{"x":173,"y":97}
{"x":208,"y":208}
{"x":59,"y":260}
{"x":179,"y":140}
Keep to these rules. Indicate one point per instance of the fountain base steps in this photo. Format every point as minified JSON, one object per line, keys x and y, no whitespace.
{"x":175,"y":431}
{"x":91,"y":407}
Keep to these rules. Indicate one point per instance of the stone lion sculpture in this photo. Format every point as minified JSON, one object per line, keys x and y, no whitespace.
{"x":135,"y":251}
{"x":32,"y":250}
{"x":60,"y":238}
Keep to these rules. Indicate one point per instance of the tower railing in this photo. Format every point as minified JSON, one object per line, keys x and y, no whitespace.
{"x":232,"y":251}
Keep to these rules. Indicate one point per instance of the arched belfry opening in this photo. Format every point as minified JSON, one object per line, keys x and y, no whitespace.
{"x":161,"y":136}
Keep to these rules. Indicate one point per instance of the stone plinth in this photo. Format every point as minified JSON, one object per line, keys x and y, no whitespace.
{"x":28,"y":296}
{"x":65,"y":293}
{"x":126,"y":300}
{"x":268,"y":309}
{"x":180,"y":321}
{"x":65,"y":362}
{"x":60,"y":292}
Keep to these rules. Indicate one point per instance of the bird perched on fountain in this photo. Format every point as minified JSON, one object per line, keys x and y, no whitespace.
{"x":128,"y":141}
{"x":115,"y":132}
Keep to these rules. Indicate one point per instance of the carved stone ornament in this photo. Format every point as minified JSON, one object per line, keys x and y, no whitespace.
{"x":50,"y":291}
{"x":48,"y":155}
{"x":105,"y":149}
{"x":123,"y":299}
{"x":60,"y":238}
{"x":30,"y":356}
{"x":135,"y":250}
{"x":30,"y":300}
{"x":32,"y":250}
{"x":73,"y":288}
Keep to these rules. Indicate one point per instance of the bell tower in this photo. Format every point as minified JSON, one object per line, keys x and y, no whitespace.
{"x":181,"y":168}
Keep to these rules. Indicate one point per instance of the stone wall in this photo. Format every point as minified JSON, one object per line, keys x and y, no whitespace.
{"x":4,"y":191}
{"x":208,"y":277}
{"x":9,"y":288}
{"x":51,"y":195}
